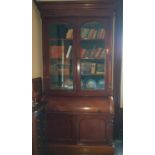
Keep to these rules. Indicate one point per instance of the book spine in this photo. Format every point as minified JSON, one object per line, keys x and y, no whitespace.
{"x":93,"y":68}
{"x":51,"y":51}
{"x":62,"y":62}
{"x":102,"y":54}
{"x":91,"y":53}
{"x":83,"y":52}
{"x":94,"y":35}
{"x":91,"y":34}
{"x":97,"y":53}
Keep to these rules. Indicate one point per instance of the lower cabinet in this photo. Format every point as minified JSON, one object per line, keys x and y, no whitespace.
{"x":69,"y":134}
{"x":79,"y":126}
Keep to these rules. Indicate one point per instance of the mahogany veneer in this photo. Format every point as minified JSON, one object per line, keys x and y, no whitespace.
{"x":79,"y":121}
{"x":81,"y":150}
{"x":81,"y":104}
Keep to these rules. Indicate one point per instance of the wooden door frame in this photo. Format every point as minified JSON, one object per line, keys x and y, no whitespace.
{"x":118,"y":123}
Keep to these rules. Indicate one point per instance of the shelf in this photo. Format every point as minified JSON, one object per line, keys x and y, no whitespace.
{"x":59,"y":75}
{"x":89,"y":39}
{"x":61,"y":88}
{"x":101,"y":74}
{"x":92,"y":60}
{"x":92,"y":89}
{"x":59,"y":39}
{"x":60,"y":58}
{"x":60,"y":42}
{"x":98,"y":42}
{"x":87,"y":58}
{"x":59,"y":64}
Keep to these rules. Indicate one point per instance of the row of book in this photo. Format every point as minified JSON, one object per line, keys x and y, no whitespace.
{"x":97,"y":53}
{"x":56,"y":52}
{"x":87,"y":33}
{"x":91,"y":68}
{"x":59,"y":69}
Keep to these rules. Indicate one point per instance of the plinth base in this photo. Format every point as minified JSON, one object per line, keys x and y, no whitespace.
{"x":60,"y":149}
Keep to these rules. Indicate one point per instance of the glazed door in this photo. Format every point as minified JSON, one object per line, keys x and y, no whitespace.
{"x":59,"y":55}
{"x":77,"y":56}
{"x":94,"y":49}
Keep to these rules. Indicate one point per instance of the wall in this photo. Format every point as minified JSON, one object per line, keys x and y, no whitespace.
{"x":37,"y":64}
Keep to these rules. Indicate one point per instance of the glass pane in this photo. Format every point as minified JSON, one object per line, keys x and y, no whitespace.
{"x":92,"y":56}
{"x":61,"y":54}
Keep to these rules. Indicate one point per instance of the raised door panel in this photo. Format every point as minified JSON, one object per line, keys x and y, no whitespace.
{"x":59,"y":128}
{"x":92,"y":129}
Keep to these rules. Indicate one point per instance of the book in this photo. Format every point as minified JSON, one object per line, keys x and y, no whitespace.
{"x":69,"y":51}
{"x":65,"y":71}
{"x":92,"y":53}
{"x":87,"y":53}
{"x":98,"y":52}
{"x":101,"y":34}
{"x":83,"y":52}
{"x":84,"y":33}
{"x":95,"y":33}
{"x":91,"y":34}
{"x":102,"y":55}
{"x":93,"y":68}
{"x":55,"y":51}
{"x":99,"y":73}
{"x":85,"y":68}
{"x":99,"y":68}
{"x":69,"y":34}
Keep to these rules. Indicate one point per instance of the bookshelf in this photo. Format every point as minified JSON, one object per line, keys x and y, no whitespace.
{"x":77,"y":59}
{"x":90,"y":44}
